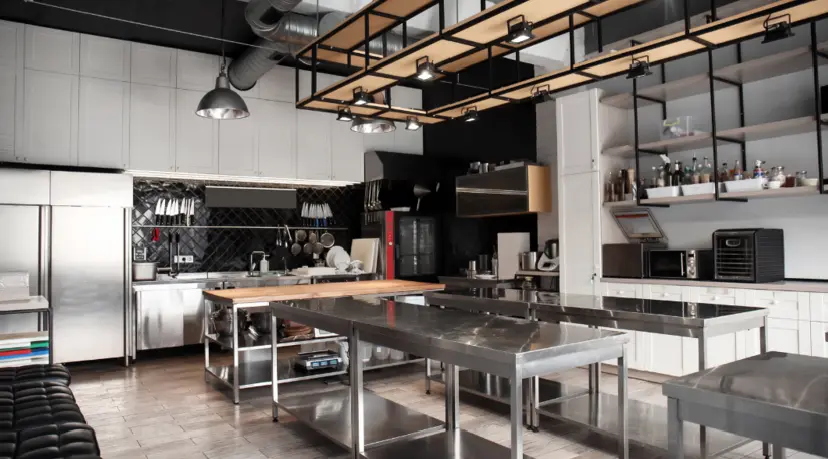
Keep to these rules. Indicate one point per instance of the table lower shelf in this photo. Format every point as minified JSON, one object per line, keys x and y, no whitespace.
{"x":497,"y":388}
{"x":258,"y":374}
{"x":460,"y":445}
{"x":329,"y":413}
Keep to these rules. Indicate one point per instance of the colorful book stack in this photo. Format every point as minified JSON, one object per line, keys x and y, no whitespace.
{"x":24,"y":349}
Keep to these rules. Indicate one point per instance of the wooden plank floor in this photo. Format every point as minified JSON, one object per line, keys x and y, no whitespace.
{"x":163,"y":408}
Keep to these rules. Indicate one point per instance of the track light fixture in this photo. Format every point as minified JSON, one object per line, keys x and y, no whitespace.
{"x":639,"y":67}
{"x":426,"y":70}
{"x":519,"y":29}
{"x":344,"y":114}
{"x":541,"y":94}
{"x":412,"y":123}
{"x":778,"y":30}
{"x":470,"y":114}
{"x":361,"y":97}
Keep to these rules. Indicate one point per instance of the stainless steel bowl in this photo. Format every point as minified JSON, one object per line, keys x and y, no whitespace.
{"x":528,"y":261}
{"x":144,"y":271}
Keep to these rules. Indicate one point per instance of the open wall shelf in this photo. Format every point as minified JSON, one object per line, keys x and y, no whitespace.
{"x":799,"y":191}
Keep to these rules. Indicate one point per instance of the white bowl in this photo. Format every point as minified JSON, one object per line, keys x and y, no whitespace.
{"x":698,"y":188}
{"x":663,"y":192}
{"x":756,"y":184}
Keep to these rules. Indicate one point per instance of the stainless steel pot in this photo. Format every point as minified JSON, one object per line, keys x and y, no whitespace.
{"x":144,"y":271}
{"x":528,"y":261}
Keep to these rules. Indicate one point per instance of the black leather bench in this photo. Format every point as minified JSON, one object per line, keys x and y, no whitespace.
{"x":39,"y":418}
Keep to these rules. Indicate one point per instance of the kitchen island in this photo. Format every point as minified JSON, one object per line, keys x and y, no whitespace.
{"x":514,"y":349}
{"x":550,"y":398}
{"x":258,"y":372}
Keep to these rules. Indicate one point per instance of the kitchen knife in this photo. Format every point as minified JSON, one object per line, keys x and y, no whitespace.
{"x":192,"y":211}
{"x":163,"y":214}
{"x":157,"y":211}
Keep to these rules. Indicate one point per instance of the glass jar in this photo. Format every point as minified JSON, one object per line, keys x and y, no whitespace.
{"x":800,"y":178}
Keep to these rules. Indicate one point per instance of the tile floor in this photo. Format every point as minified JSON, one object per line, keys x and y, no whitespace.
{"x":163,"y":408}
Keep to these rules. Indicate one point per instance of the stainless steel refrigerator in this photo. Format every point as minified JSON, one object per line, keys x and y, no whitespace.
{"x":80,"y":263}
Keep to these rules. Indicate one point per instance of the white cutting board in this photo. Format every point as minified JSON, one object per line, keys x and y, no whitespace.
{"x":366,"y":250}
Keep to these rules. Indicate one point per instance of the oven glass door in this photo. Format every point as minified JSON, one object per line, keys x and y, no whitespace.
{"x":670,"y":264}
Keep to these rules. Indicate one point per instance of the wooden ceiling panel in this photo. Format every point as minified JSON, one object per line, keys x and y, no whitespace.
{"x":605,"y":8}
{"x":403,"y":7}
{"x":472,"y":59}
{"x":535,"y":10}
{"x":404,"y":116}
{"x":436,"y":52}
{"x":333,"y":108}
{"x":555,"y":84}
{"x":354,"y":33}
{"x":655,"y":55}
{"x":368,"y":83}
{"x":481,"y":105}
{"x":756,"y":26}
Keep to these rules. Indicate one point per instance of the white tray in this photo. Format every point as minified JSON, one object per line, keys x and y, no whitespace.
{"x":757,"y":184}
{"x":698,"y":188}
{"x":663,"y":192}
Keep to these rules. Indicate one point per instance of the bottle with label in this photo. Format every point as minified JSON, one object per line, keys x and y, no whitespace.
{"x":661,"y":180}
{"x":695,"y":173}
{"x":724,"y":173}
{"x":678,"y":174}
{"x":758,"y":172}
{"x":737,"y":173}
{"x":706,"y":171}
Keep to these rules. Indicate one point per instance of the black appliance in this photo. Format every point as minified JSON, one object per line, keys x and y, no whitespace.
{"x":749,"y":255}
{"x":627,"y":260}
{"x":409,"y":244}
{"x":680,"y":264}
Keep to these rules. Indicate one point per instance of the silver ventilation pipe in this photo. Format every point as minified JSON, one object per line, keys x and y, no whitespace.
{"x":286,"y":36}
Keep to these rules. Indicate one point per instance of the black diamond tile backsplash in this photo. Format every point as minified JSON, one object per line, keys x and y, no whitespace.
{"x":221,"y":239}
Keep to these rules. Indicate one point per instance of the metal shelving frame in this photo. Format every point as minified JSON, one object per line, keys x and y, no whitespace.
{"x":715,"y":138}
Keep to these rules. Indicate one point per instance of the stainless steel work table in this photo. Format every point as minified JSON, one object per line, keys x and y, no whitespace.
{"x":550,"y":398}
{"x":773,"y":397}
{"x":506,"y":347}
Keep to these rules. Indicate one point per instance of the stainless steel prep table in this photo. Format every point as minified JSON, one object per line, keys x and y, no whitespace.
{"x":506,"y":347}
{"x":696,"y":320}
{"x":773,"y":397}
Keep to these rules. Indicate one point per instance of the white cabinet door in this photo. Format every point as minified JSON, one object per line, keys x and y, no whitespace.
{"x":11,"y":86}
{"x":314,"y":145}
{"x":819,"y":307}
{"x":819,"y":339}
{"x":623,"y":290}
{"x":781,"y":305}
{"x":197,"y":71}
{"x":238,"y":146}
{"x":580,"y":233}
{"x":665,"y":355}
{"x":793,"y":336}
{"x":151,"y":128}
{"x":153,"y":65}
{"x":103,"y":123}
{"x":406,"y":97}
{"x":576,"y":116}
{"x":277,"y":138}
{"x":348,"y":154}
{"x":196,"y":138}
{"x":52,"y":50}
{"x":50,"y":120}
{"x":278,"y":85}
{"x":104,"y":58}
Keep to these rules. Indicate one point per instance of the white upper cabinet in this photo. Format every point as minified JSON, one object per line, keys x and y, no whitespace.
{"x":238,"y":145}
{"x":577,"y":133}
{"x":50,"y":120}
{"x":196,"y":138}
{"x":314,"y":145}
{"x":52,"y":50}
{"x":104,"y":58}
{"x":406,"y":97}
{"x":103,"y":124}
{"x":152,"y":128}
{"x":11,"y":85}
{"x":380,"y":142}
{"x":153,"y":65}
{"x":278,"y":84}
{"x":197,"y":71}
{"x":347,"y":152}
{"x":277,"y":138}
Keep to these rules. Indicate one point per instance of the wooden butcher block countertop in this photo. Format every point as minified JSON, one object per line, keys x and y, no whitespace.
{"x":328,"y":290}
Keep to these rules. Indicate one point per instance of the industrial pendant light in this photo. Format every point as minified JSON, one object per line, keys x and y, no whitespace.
{"x":469,"y":114}
{"x":519,"y":30}
{"x":344,"y":114}
{"x":541,"y":94}
{"x":372,"y":125}
{"x":361,"y":97}
{"x":640,"y":67}
{"x":412,"y":123}
{"x":779,"y":30}
{"x":425,"y":69}
{"x":222,"y":103}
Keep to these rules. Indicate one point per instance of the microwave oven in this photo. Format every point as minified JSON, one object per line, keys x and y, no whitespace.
{"x":681,"y":264}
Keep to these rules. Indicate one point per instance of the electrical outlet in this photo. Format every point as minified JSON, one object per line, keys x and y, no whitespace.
{"x":183,"y":259}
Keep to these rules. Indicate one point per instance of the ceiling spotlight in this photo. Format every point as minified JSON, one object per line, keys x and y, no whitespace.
{"x":344,"y":114}
{"x":469,"y":114}
{"x":779,"y":30}
{"x":519,"y":30}
{"x":541,"y":94}
{"x":372,"y":125}
{"x":426,"y":70}
{"x":412,"y":123}
{"x":639,"y":67}
{"x":361,"y":97}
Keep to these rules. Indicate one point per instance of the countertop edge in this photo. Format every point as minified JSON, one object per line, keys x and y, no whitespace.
{"x":786,"y":286}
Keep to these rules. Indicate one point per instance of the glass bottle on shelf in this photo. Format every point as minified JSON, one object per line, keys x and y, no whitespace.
{"x":724,"y":173}
{"x":609,"y":189}
{"x":662,"y":177}
{"x":678,"y":174}
{"x":695,"y":172}
{"x":758,"y":171}
{"x":706,"y":171}
{"x":737,"y":173}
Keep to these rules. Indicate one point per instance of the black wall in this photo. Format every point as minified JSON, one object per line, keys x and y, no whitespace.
{"x":501,"y":134}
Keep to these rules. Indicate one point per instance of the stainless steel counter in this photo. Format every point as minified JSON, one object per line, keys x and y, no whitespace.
{"x":240,"y":279}
{"x":774,"y":397}
{"x":785,"y":286}
{"x":698,"y":320}
{"x":512,"y":348}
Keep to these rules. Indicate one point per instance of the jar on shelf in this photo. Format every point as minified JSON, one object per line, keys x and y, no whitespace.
{"x":801,"y":176}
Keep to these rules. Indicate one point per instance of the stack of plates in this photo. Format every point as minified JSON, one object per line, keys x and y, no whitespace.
{"x":338,"y":258}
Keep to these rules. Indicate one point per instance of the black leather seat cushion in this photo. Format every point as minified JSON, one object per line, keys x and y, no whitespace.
{"x":71,"y":440}
{"x":8,"y":444}
{"x":39,"y":373}
{"x":6,"y":408}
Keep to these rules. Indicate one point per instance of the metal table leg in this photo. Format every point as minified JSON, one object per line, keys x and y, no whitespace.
{"x":623,"y":428}
{"x":428,"y":376}
{"x":274,"y":385}
{"x":763,"y":347}
{"x":675,"y":430}
{"x":778,"y":452}
{"x":452,"y":399}
{"x":208,"y":309}
{"x":702,"y":367}
{"x":234,"y":320}
{"x":51,"y":336}
{"x":516,"y":412}
{"x":357,"y":400}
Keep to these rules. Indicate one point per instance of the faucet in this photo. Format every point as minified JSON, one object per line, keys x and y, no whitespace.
{"x":284,"y":263}
{"x":252,"y":267}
